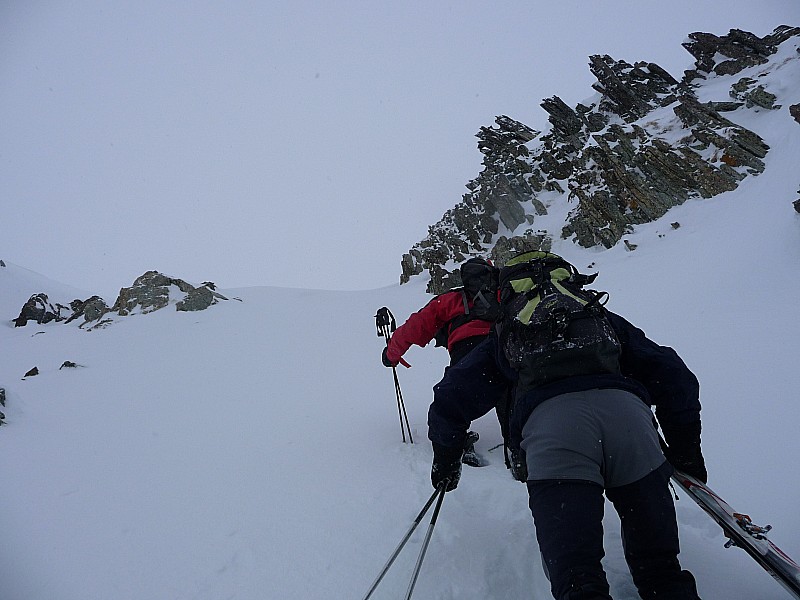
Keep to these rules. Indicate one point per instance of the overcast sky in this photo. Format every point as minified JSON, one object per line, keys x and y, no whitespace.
{"x":298,"y":144}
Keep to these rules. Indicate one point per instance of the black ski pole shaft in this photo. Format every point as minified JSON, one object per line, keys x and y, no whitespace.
{"x":441,"y":490}
{"x":402,"y":406}
{"x":386,"y":324}
{"x":400,"y":546}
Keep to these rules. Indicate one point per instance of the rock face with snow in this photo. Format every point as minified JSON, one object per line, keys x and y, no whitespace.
{"x":645,"y":144}
{"x":40,"y":310}
{"x":90,"y":309}
{"x":153,"y":291}
{"x":794,"y":110}
{"x":150,"y":292}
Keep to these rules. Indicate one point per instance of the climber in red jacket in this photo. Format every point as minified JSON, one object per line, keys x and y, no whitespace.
{"x":459,"y":319}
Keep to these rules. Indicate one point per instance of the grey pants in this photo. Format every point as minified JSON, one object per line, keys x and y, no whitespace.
{"x":605,"y":436}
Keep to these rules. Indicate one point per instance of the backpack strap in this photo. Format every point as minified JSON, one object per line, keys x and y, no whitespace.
{"x":442,"y":336}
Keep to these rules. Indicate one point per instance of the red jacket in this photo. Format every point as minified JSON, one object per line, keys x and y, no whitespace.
{"x":421,"y":327}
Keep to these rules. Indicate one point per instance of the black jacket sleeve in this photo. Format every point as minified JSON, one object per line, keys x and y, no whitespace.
{"x":673,"y":388}
{"x":468,"y":390}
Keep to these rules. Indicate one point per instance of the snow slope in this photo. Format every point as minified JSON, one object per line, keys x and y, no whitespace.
{"x":253,"y":450}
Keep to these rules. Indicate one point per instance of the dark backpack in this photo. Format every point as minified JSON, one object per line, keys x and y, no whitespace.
{"x":551,"y":327}
{"x":480,"y":281}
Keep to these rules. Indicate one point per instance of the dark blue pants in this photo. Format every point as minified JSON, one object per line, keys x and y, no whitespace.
{"x":568,"y":515}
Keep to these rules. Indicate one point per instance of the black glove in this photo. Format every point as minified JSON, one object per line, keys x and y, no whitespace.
{"x":446,"y":466}
{"x":385,"y":359}
{"x":684,"y":451}
{"x":518,"y":466}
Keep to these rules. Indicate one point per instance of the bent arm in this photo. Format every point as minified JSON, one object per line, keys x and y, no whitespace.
{"x":468,"y":390}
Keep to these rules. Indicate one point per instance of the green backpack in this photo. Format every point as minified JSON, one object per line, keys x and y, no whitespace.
{"x":551,"y":327}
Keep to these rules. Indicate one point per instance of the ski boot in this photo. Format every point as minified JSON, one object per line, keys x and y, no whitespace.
{"x":472,"y":458}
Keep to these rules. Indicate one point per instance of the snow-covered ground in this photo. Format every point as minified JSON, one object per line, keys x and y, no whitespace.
{"x":253,"y":450}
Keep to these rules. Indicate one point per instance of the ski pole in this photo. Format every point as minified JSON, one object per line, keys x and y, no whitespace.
{"x":441,"y":490}
{"x":386,"y":324}
{"x":406,"y":537}
{"x":401,"y":407}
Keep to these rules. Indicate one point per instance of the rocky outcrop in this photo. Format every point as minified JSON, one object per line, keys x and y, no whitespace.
{"x":646,"y":143}
{"x":91,"y":309}
{"x":732,"y":53}
{"x":496,"y":197}
{"x":794,"y":110}
{"x":40,"y":310}
{"x":153,"y":291}
{"x":150,"y":292}
{"x":629,"y":175}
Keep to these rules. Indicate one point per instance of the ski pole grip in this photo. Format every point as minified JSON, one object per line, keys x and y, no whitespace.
{"x":384,"y":321}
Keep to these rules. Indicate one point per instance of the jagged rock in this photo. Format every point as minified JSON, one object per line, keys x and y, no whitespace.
{"x":751,"y":94}
{"x":410,"y":265}
{"x":68,"y":364}
{"x":723,"y":106}
{"x":730,"y":54}
{"x":740,"y":49}
{"x":675,"y":225}
{"x":796,"y":205}
{"x":443,"y":280}
{"x":631,"y":91}
{"x":497,"y":196}
{"x":34,"y":371}
{"x":91,"y":309}
{"x":151,"y":292}
{"x":742,"y":146}
{"x":199,"y":298}
{"x":2,"y":264}
{"x":794,"y":110}
{"x":38,"y":308}
{"x":505,"y":247}
{"x":2,"y":397}
{"x":567,"y":124}
{"x":632,"y":177}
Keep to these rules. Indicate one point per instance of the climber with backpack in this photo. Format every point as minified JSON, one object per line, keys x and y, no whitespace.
{"x":459,"y":320}
{"x":585,"y":380}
